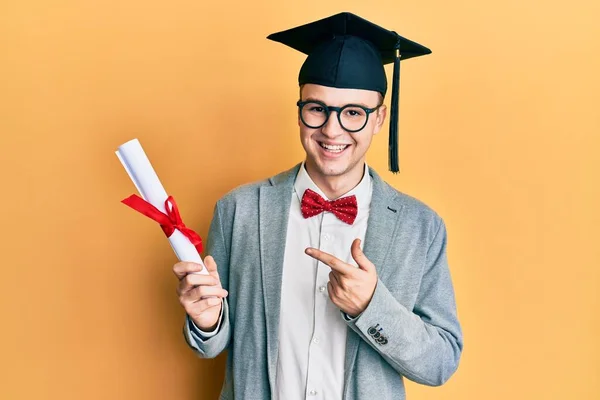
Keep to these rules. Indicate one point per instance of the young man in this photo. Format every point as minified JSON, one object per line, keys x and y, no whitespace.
{"x":305,"y":311}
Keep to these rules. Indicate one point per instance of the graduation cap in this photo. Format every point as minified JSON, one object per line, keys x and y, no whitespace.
{"x":349,"y":52}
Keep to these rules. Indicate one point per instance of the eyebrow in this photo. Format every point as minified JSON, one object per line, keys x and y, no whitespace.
{"x":321,"y":101}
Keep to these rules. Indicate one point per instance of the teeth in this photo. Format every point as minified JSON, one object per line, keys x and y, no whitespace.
{"x":334,"y":148}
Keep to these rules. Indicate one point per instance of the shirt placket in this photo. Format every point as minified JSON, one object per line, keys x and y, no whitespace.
{"x":316,"y":358}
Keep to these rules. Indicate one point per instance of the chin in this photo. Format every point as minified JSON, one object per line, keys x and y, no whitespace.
{"x":333,"y":171}
{"x":329,"y":168}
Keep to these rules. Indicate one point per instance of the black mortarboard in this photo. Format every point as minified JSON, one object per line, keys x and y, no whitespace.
{"x":346,"y":51}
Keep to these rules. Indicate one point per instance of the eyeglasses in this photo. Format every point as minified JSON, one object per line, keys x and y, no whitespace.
{"x":352,"y":117}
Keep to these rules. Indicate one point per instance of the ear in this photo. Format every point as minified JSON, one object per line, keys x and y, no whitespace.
{"x":381,"y":114}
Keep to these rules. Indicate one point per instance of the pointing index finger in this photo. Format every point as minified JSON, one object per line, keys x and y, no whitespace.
{"x":334,"y":263}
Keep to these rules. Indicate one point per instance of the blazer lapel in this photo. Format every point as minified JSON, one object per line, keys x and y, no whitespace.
{"x":381,"y":232}
{"x":274,"y":206}
{"x":384,"y":215}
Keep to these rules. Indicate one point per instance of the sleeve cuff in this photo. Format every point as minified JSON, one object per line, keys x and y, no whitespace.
{"x":348,"y":318}
{"x":202,"y":334}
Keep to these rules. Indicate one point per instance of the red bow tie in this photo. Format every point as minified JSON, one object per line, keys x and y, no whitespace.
{"x":345,"y":208}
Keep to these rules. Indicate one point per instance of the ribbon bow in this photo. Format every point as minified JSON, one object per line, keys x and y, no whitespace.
{"x":169,"y":221}
{"x":344,"y":209}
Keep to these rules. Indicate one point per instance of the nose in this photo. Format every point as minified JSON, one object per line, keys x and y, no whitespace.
{"x":332,"y":127}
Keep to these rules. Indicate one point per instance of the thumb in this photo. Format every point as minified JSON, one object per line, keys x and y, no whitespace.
{"x":360,"y":258}
{"x":211,"y":266}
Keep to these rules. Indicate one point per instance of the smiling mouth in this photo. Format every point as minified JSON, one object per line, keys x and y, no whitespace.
{"x":334,"y":148}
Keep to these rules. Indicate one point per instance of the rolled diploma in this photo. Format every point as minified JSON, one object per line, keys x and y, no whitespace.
{"x":139,"y":169}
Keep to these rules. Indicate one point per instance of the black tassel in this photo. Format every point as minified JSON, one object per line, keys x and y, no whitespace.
{"x":393,"y":144}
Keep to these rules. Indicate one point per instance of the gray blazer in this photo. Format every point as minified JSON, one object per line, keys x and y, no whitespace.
{"x":409,"y":329}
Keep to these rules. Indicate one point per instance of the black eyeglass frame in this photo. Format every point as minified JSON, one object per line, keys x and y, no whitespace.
{"x":338,"y":110}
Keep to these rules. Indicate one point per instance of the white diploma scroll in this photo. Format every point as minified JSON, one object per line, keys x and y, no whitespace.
{"x":138,"y":166}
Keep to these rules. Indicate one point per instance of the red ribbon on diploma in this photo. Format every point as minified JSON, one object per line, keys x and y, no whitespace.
{"x":169,"y":221}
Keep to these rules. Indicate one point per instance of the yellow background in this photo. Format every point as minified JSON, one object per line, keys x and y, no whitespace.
{"x":499,"y":133}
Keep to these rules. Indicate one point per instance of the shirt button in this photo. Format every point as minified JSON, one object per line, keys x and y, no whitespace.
{"x":313,"y":392}
{"x":326,"y":236}
{"x":316,"y":340}
{"x":321,"y":289}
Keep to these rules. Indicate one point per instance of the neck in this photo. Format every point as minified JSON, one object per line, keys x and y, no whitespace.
{"x":336,"y":185}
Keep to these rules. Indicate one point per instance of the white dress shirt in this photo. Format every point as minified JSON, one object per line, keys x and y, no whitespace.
{"x":312,"y":331}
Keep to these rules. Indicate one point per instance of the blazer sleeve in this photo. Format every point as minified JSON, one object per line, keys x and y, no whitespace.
{"x":423,"y":344}
{"x":212,"y":344}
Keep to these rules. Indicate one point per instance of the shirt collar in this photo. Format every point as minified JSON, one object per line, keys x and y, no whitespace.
{"x":363,"y":191}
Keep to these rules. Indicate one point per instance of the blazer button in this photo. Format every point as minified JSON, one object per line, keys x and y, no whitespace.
{"x":382,"y":340}
{"x":372,"y":330}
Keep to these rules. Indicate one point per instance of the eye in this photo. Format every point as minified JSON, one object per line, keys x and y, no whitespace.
{"x":354,"y":112}
{"x":316,"y":109}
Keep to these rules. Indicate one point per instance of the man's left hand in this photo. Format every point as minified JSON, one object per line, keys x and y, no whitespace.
{"x":350,"y":288}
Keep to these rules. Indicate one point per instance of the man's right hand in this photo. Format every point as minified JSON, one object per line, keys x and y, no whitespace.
{"x":200,"y":295}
